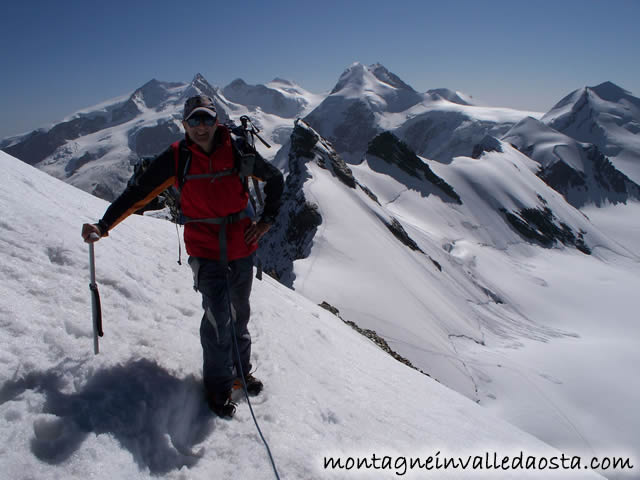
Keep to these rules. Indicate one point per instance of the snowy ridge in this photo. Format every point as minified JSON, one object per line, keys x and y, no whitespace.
{"x":299,"y":217}
{"x":282,"y":98}
{"x":439,"y":124}
{"x":95,"y":149}
{"x":136,"y":411}
{"x":347,"y":239}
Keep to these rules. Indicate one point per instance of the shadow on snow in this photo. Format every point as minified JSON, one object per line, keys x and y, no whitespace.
{"x":156,"y":416}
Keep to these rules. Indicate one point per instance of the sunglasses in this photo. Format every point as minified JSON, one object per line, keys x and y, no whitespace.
{"x":196,"y":120}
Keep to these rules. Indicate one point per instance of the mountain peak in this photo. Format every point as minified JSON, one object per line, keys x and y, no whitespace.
{"x":353,"y":75}
{"x":384,"y":75}
{"x":200,"y":86}
{"x":283,"y":81}
{"x":151,"y":83}
{"x":238,"y":82}
{"x":198,"y":77}
{"x":281,"y":99}
{"x":576,"y":100}
{"x":610,"y":92}
{"x":526,"y":123}
{"x":154,"y":92}
{"x":359,"y":76}
{"x":450,"y":95}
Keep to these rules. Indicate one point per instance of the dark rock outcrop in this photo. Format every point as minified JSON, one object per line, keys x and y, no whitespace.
{"x":540,"y":225}
{"x":401,"y":234}
{"x":309,"y":144}
{"x":488,"y":144}
{"x":393,"y":151}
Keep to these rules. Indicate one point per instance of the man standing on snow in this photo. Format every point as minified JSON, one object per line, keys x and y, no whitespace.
{"x":209,"y":168}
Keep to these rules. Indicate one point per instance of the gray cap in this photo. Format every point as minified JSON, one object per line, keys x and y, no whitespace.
{"x":199,"y":103}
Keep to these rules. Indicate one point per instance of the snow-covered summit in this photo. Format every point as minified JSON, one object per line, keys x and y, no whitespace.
{"x":450,"y":95}
{"x":604,"y":98}
{"x":280,"y":97}
{"x":607,"y":116}
{"x":438,"y":124}
{"x":611,"y":92}
{"x":377,"y":86}
{"x":384,"y":75}
{"x":361,"y":99}
{"x":154,"y":93}
{"x":353,"y":76}
{"x":199,"y":86}
{"x":577,"y":170}
{"x":283,"y":81}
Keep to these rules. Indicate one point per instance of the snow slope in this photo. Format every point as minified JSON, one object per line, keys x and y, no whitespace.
{"x":480,"y":308}
{"x":136,"y":411}
{"x":441,"y":129}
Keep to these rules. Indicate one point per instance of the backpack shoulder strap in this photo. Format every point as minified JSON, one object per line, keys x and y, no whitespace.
{"x":182,"y":158}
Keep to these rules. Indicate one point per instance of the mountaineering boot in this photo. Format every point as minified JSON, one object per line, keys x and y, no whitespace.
{"x":220,"y":403}
{"x":254,"y":386}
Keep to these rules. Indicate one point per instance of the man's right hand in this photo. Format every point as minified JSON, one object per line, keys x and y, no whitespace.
{"x":91,"y":233}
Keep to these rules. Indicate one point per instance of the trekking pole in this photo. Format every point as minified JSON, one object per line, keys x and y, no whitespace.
{"x":95,"y":300}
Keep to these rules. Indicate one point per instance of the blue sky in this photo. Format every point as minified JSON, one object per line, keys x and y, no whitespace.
{"x":59,"y":57}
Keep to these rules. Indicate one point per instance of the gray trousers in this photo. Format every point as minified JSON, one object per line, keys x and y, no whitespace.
{"x":220,"y":361}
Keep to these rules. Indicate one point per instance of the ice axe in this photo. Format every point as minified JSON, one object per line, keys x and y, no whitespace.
{"x":95,"y":298}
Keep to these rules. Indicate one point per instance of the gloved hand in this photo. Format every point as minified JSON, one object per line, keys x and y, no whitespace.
{"x":254,"y":233}
{"x":91,"y":233}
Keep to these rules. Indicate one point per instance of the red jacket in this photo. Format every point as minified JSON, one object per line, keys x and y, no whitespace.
{"x":203,"y":198}
{"x":206,"y":197}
